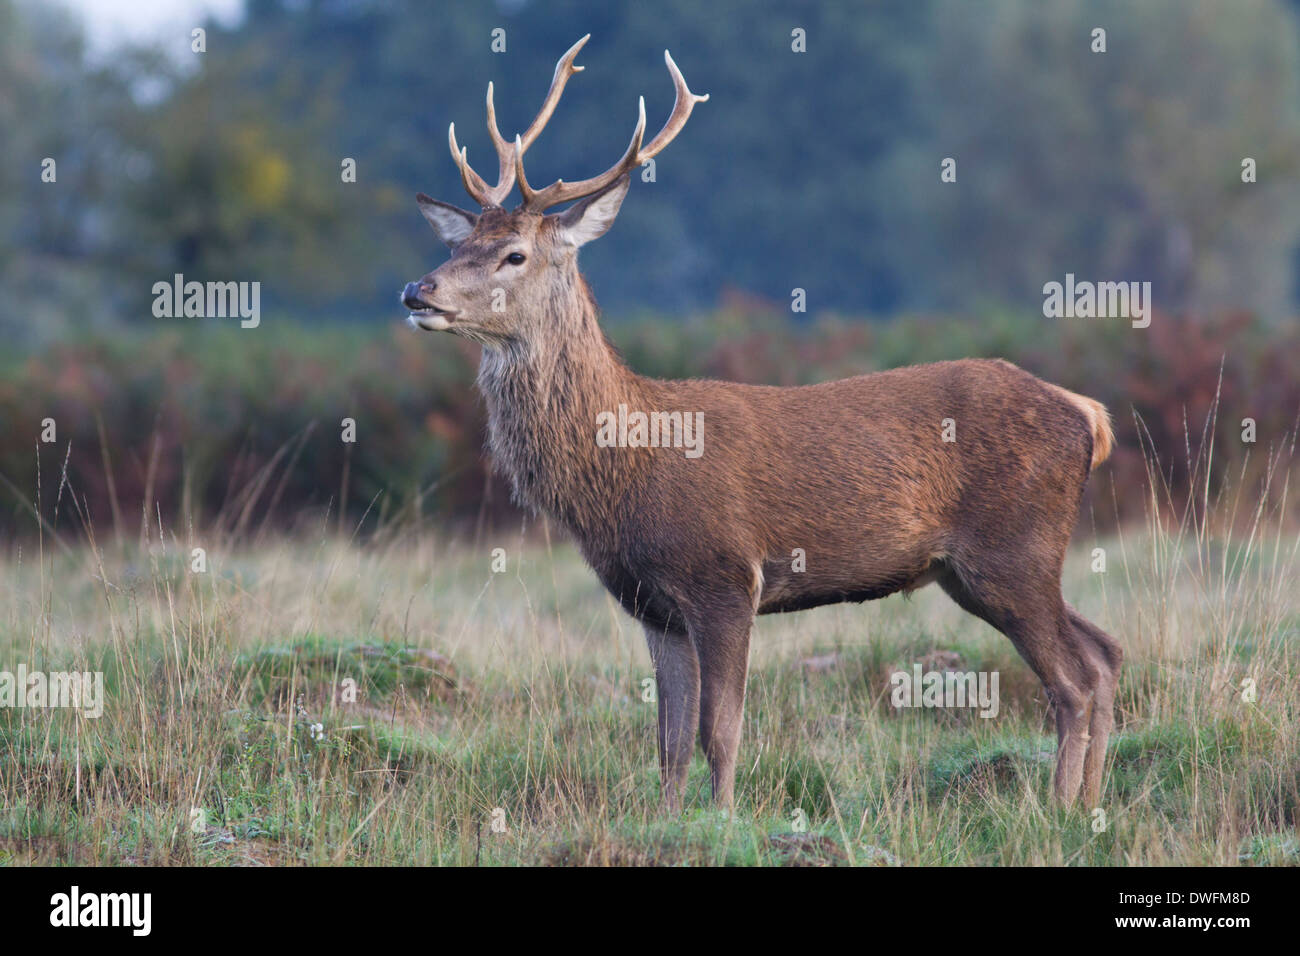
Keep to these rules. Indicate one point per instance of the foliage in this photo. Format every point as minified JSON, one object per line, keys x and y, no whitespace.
{"x":242,"y":429}
{"x":815,"y":170}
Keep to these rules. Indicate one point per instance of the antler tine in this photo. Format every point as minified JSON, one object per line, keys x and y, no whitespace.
{"x":508,"y":152}
{"x":564,"y":68}
{"x":474,"y":184}
{"x":560,"y":191}
{"x":505,"y":156}
{"x":683,"y":103}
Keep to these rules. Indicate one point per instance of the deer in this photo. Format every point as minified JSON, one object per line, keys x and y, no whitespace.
{"x":856,"y":472}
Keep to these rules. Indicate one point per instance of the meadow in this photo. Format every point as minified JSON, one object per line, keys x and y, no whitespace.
{"x":398,"y":696}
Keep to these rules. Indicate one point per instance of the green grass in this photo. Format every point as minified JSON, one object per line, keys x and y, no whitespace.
{"x":498,"y":719}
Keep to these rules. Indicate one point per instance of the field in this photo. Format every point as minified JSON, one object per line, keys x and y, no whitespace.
{"x":498,"y":717}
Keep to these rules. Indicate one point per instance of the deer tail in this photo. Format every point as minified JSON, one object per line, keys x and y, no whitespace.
{"x":1103,"y":435}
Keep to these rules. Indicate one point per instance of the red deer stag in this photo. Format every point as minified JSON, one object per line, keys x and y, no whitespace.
{"x":854,"y":472}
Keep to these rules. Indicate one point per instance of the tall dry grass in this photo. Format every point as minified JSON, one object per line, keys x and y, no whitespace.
{"x":500,"y":719}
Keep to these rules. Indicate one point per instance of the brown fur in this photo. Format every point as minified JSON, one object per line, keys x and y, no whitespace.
{"x":854,"y":472}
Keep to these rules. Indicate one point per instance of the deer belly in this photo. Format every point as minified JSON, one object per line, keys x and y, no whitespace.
{"x":795,"y":584}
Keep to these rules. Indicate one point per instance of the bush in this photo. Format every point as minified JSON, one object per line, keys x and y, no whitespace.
{"x":241,"y":429}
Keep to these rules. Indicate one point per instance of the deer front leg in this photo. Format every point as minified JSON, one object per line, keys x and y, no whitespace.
{"x":722,"y":643}
{"x":677,"y":688}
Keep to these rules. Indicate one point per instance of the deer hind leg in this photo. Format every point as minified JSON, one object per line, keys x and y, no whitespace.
{"x":677,"y":689}
{"x":1106,"y":655}
{"x":1034,"y":617}
{"x":722,"y":642}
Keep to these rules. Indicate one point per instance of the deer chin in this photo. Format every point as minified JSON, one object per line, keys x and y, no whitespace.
{"x":433,"y":320}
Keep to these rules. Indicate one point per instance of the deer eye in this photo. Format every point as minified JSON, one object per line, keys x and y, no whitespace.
{"x":515,"y":258}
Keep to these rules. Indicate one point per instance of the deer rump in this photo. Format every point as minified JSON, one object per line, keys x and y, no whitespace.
{"x":852,"y":490}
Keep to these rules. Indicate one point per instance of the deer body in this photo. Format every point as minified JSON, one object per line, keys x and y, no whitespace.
{"x":854,"y":475}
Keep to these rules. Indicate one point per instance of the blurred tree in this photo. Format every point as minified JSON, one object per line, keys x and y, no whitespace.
{"x":59,"y":239}
{"x":815,"y":169}
{"x":1122,"y":165}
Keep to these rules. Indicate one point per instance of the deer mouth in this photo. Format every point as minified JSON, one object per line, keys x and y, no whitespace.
{"x":431,"y":318}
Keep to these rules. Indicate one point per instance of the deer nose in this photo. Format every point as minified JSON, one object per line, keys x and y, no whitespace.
{"x":411,"y":294}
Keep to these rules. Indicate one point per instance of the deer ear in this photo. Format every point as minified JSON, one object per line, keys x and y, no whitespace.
{"x":591,"y":218}
{"x":452,"y":225}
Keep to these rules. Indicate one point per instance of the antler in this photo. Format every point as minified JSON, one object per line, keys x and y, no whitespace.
{"x":560,"y":191}
{"x":509,"y":154}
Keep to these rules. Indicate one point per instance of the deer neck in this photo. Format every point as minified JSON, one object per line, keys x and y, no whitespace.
{"x":543,"y":395}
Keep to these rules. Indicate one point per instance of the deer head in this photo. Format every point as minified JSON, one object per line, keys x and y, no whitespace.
{"x":512,"y":274}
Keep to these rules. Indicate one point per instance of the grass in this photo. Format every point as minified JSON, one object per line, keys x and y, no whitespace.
{"x":393,"y":698}
{"x":498,"y":718}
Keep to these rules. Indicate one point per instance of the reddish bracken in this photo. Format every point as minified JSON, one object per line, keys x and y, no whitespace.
{"x":966,"y":473}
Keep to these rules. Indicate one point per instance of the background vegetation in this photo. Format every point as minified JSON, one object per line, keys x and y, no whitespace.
{"x":207,"y":429}
{"x":817,"y":170}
